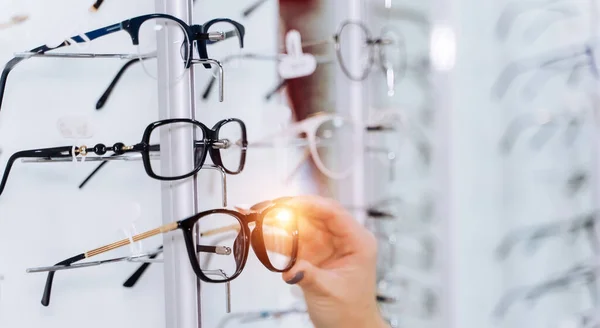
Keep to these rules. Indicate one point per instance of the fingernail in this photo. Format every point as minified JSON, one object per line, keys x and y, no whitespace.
{"x":297,"y":278}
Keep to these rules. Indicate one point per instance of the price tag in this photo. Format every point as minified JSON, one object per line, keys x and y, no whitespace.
{"x":296,"y":63}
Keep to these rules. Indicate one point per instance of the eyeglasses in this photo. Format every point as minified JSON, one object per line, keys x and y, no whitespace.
{"x":322,"y":132}
{"x":533,"y":236}
{"x":570,"y":60}
{"x":135,"y":277}
{"x":546,"y":124}
{"x":389,"y":49}
{"x":220,"y":25}
{"x":515,"y":9}
{"x":226,"y":137}
{"x":143,"y":31}
{"x":584,"y":274}
{"x":14,"y":20}
{"x":217,"y":240}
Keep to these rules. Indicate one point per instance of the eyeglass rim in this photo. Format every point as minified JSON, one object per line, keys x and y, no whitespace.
{"x":187,"y":227}
{"x":338,"y":50}
{"x":209,"y":134}
{"x":310,"y":126}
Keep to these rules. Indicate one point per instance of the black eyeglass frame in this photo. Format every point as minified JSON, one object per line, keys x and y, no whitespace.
{"x":210,"y":138}
{"x":132,"y":26}
{"x":202,"y":52}
{"x":250,"y":238}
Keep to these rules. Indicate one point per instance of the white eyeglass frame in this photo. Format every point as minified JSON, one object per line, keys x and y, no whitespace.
{"x":310,"y":126}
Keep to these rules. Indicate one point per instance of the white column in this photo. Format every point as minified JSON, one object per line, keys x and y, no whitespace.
{"x":351,"y":100}
{"x":442,"y":92}
{"x":182,"y":288}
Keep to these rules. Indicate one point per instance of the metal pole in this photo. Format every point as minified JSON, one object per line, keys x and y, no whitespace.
{"x":176,"y":100}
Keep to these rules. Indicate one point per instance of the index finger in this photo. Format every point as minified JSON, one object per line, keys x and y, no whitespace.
{"x":332,"y":215}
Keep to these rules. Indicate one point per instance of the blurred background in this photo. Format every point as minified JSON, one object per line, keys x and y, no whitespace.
{"x":462,"y":133}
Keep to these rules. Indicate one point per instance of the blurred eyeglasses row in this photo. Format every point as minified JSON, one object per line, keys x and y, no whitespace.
{"x":547,"y":90}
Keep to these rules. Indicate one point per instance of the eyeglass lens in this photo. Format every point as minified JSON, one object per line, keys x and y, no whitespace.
{"x":354,"y":40}
{"x":153,"y":31}
{"x":336,"y":134}
{"x":278,"y":230}
{"x":197,"y":148}
{"x":224,"y":231}
{"x":230,"y":145}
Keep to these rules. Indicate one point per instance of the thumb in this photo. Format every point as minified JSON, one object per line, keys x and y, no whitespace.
{"x":307,"y":276}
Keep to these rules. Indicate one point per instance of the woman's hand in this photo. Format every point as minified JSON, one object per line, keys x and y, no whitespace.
{"x":336,"y":266}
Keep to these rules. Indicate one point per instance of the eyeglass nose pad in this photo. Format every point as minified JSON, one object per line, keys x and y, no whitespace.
{"x":199,"y":155}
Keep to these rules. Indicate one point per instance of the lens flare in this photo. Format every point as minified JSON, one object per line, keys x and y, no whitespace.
{"x":284,"y":216}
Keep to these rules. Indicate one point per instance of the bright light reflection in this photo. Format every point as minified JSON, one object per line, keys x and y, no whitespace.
{"x":443,"y":48}
{"x":284,"y":216}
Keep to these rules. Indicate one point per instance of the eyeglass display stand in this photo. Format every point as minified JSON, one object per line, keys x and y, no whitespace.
{"x":176,"y":99}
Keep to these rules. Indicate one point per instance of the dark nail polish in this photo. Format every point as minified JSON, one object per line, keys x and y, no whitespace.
{"x":297,"y":278}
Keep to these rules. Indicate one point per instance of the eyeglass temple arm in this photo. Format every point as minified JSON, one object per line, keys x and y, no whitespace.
{"x":510,"y":14}
{"x":250,"y":9}
{"x":515,"y":69}
{"x":586,"y":272}
{"x":276,"y":89}
{"x":89,"y":36}
{"x":101,"y":250}
{"x":96,"y":5}
{"x":133,"y":279}
{"x":206,"y":167}
{"x":545,"y":231}
{"x":34,"y":153}
{"x":4,"y":77}
{"x":101,"y":165}
{"x":104,"y":97}
{"x":106,"y":94}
